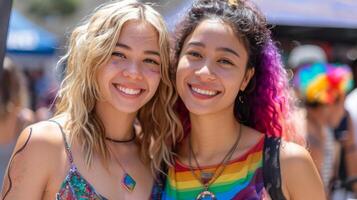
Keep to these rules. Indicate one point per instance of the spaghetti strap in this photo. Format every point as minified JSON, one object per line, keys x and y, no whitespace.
{"x":68,"y":149}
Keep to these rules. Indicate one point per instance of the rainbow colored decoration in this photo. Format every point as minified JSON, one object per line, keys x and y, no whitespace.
{"x":128,"y":182}
{"x":323,"y":82}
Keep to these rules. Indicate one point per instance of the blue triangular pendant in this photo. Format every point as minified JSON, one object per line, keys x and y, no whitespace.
{"x":128,"y":182}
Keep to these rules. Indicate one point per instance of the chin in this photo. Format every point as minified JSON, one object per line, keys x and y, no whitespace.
{"x":127,"y":108}
{"x":201,"y":110}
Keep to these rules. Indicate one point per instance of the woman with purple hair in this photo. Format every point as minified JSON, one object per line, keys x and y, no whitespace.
{"x":235,"y":107}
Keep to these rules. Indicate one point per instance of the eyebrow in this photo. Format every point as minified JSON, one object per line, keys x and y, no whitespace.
{"x":199,"y":44}
{"x":123,"y":46}
{"x":226,"y":49}
{"x":229,"y":50}
{"x":151,"y":52}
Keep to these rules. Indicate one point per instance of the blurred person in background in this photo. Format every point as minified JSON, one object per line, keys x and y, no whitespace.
{"x":14,"y":115}
{"x":323,"y":87}
{"x":43,"y":92}
{"x":344,"y":184}
{"x":308,"y":54}
{"x":351,"y":100}
{"x":304,"y":55}
{"x":351,"y":139}
{"x":298,"y":57}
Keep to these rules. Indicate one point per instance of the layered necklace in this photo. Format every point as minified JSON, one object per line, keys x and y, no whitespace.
{"x":128,"y":182}
{"x":208,"y":178}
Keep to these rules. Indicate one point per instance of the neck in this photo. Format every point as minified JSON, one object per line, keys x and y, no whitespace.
{"x":316,"y":116}
{"x":212,"y":135}
{"x":118,"y":125}
{"x":316,"y":122}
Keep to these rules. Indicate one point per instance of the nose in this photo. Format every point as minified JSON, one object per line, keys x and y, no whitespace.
{"x":205,"y":73}
{"x":133,"y":71}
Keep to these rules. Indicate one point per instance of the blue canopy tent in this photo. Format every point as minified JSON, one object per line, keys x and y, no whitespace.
{"x":24,"y":37}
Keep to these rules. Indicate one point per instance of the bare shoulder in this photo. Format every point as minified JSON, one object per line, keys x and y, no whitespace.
{"x":35,"y":157}
{"x":295,"y":158}
{"x":299,"y":174}
{"x":42,"y":137}
{"x":40,"y":143}
{"x":291,"y":152}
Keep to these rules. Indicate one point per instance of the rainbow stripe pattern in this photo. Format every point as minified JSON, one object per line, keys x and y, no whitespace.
{"x":241,"y":179}
{"x":323,"y":82}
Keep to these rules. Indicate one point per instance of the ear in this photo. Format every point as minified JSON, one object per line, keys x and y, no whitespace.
{"x":248,"y":75}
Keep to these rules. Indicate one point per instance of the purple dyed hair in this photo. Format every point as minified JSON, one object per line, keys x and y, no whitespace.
{"x":271,"y":101}
{"x":268,"y":100}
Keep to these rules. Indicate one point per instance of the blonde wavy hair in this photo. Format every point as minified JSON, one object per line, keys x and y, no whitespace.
{"x":91,"y":44}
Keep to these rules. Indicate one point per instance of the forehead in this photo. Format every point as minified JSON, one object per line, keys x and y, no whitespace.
{"x":216,"y":33}
{"x":139,"y":32}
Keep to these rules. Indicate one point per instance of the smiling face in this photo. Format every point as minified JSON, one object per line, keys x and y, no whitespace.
{"x":132,"y":75}
{"x":212,"y":68}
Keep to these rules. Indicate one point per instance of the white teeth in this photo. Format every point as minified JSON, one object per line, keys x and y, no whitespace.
{"x":128,"y":91}
{"x":204,"y":92}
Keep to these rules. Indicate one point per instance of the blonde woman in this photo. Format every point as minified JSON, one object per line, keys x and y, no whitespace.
{"x":117,"y":72}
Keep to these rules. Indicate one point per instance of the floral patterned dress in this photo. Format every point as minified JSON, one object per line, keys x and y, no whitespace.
{"x":75,"y":187}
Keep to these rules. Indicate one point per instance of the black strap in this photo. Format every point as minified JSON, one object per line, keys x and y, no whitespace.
{"x":271,"y":168}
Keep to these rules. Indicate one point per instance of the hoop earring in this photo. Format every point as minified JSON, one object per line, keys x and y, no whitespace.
{"x":241,"y":97}
{"x":241,"y":108}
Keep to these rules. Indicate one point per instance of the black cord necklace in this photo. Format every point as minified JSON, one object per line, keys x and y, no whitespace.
{"x":207,"y":178}
{"x":122,"y":141}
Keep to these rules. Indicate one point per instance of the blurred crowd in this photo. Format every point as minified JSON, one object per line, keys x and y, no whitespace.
{"x":327,"y":106}
{"x":25,"y":98}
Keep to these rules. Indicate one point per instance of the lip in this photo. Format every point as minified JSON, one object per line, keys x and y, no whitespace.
{"x":128,"y":90}
{"x":202,"y":92}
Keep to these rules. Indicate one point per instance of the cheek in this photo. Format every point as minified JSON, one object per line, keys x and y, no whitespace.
{"x":183,"y":68}
{"x":232,"y":80}
{"x":153,"y":78}
{"x":232,"y":90}
{"x":181,"y":73}
{"x":105,"y":75}
{"x":102,"y":76}
{"x":114,"y":63}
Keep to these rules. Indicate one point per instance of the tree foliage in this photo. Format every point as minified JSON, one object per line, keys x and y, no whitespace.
{"x":44,"y":8}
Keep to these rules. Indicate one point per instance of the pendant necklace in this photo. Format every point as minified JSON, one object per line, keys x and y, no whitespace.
{"x":208,"y":178}
{"x":128,"y":182}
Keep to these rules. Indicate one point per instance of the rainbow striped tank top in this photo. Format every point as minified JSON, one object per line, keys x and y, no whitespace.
{"x":241,"y":179}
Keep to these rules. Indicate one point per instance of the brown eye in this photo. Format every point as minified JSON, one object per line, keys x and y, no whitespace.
{"x":151,"y":61}
{"x":194,"y":54}
{"x":119,"y":55}
{"x":225,"y":62}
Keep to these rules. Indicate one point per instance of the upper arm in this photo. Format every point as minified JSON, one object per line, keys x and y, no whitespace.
{"x":29,"y":166}
{"x":299,"y":174}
